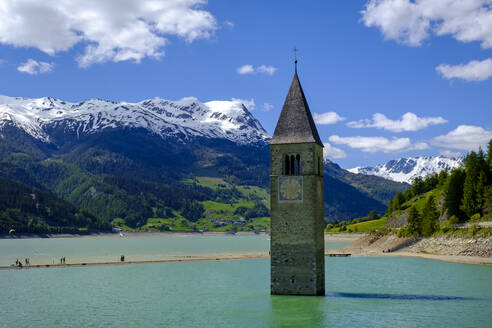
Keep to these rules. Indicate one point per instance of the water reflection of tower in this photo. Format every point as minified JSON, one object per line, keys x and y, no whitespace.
{"x":297,"y":312}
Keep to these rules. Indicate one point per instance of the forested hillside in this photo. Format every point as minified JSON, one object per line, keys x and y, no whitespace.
{"x":441,"y":201}
{"x":349,"y":196}
{"x":162,"y":169}
{"x":28,"y":209}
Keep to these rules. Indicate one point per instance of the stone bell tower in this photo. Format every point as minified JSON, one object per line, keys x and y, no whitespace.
{"x":296,"y":195}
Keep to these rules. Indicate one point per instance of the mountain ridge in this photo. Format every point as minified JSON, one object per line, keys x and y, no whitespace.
{"x":407,"y":169}
{"x":109,"y":166}
{"x":182,"y":119}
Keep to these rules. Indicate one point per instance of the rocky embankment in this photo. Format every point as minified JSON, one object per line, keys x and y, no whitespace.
{"x":446,"y":245}
{"x":376,"y":244}
{"x":447,"y":248}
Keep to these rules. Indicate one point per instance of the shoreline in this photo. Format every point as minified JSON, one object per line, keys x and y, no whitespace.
{"x":360,"y":245}
{"x":218,"y":257}
{"x":131,"y":234}
{"x":474,"y":260}
{"x":440,"y":248}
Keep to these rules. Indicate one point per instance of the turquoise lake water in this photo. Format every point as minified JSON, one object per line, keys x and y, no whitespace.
{"x":104,"y":249}
{"x":361,"y":292}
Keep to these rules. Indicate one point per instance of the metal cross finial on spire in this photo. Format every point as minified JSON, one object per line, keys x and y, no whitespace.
{"x":295,"y":58}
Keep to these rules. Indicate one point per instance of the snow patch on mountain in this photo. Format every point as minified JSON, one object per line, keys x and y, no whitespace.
{"x":407,"y":169}
{"x":182,"y":119}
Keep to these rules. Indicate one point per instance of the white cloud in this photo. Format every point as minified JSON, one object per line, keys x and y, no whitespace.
{"x":249,"y":69}
{"x":378,"y":144}
{"x":327,"y":118}
{"x":246,"y":69}
{"x":450,"y":154}
{"x":409,"y":122}
{"x":267,"y":107}
{"x":250,"y":104}
{"x":330,"y":151}
{"x":464,"y":137}
{"x":412,"y":21}
{"x":270,"y":70}
{"x":229,"y":24}
{"x":473,"y":71}
{"x":110,"y":30}
{"x":33,"y":67}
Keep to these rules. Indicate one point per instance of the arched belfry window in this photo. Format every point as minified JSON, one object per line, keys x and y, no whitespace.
{"x":292,"y":165}
{"x":287,"y":165}
{"x":297,"y":165}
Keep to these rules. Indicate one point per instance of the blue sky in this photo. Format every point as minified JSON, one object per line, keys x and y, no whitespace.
{"x":429,"y":58}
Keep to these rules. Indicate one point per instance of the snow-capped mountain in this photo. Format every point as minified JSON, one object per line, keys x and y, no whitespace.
{"x":407,"y":169}
{"x":181,"y":120}
{"x":95,"y":151}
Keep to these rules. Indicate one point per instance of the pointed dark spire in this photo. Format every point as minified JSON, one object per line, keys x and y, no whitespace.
{"x":295,"y":60}
{"x":296,"y":124}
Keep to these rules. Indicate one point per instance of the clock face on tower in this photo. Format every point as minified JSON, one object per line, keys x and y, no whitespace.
{"x":290,"y":188}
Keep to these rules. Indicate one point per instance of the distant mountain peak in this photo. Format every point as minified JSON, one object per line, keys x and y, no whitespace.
{"x":182,"y":119}
{"x":407,"y":169}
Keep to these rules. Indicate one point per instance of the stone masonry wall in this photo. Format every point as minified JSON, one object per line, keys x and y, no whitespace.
{"x":297,"y":240}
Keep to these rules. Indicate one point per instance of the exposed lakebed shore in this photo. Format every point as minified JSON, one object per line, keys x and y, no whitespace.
{"x":449,"y":249}
{"x":461,"y":250}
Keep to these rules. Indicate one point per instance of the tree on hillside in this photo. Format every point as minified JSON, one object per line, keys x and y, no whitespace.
{"x":398,"y":201}
{"x":480,"y":189}
{"x":430,"y":217}
{"x":475,"y":182}
{"x":418,"y":186}
{"x":192,"y":210}
{"x":414,"y":222}
{"x":454,"y":192}
{"x":431,"y":182}
{"x":258,"y":210}
{"x":468,"y":203}
{"x":408,"y":194}
{"x":443,"y":175}
{"x":373,"y":215}
{"x":489,"y":161}
{"x":390,"y":208}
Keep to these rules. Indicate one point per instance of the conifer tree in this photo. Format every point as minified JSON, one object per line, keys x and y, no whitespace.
{"x":480,"y":188}
{"x":443,"y":175}
{"x":430,"y":182}
{"x":489,"y":152}
{"x":454,"y":192}
{"x":430,"y":217}
{"x":390,"y":208}
{"x":475,"y":183}
{"x":469,"y":201}
{"x":489,"y":160}
{"x":414,"y":222}
{"x":398,"y":201}
{"x":408,"y":194}
{"x":418,"y":186}
{"x":373,"y":215}
{"x":482,"y":162}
